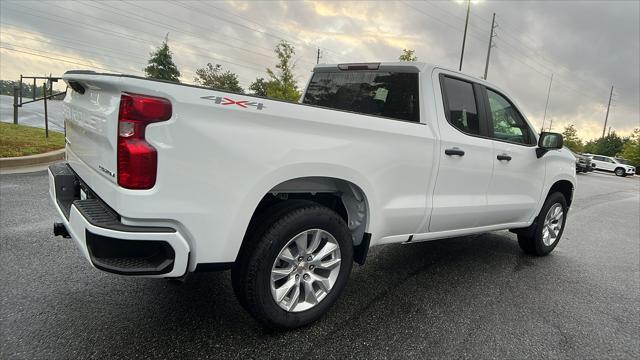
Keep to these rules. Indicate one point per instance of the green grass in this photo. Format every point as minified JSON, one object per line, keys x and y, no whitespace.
{"x":20,"y":140}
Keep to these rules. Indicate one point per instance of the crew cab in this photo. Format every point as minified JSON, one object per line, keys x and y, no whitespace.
{"x":164,"y":179}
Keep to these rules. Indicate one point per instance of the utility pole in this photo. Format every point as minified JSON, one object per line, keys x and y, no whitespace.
{"x":46,"y":118}
{"x":318,"y":57}
{"x":606,"y":118}
{"x":464,"y":37}
{"x":15,"y":104}
{"x":546,"y":105}
{"x":491,"y":35}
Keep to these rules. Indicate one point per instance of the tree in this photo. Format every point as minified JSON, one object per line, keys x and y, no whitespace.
{"x":259,"y":87}
{"x":609,"y":145}
{"x":281,"y":83}
{"x":591,"y":147}
{"x":161,"y":65}
{"x":408,"y":55}
{"x":571,"y":139}
{"x":631,"y":148}
{"x":6,"y":88}
{"x":213,"y":77}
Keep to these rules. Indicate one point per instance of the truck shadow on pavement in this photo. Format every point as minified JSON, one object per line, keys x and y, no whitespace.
{"x":400,"y":289}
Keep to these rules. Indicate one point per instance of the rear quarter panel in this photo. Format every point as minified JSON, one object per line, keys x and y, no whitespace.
{"x":215,"y":163}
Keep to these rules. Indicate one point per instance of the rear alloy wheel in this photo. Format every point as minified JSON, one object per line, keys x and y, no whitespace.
{"x":295,"y":265}
{"x":305,"y":271}
{"x":620,"y":172}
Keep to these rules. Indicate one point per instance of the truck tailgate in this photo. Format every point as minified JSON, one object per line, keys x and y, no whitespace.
{"x":91,"y":120}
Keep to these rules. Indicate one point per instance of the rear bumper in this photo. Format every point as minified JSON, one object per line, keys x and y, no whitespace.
{"x":106,"y":242}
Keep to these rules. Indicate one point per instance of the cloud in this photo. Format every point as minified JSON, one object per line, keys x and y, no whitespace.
{"x":586,"y":45}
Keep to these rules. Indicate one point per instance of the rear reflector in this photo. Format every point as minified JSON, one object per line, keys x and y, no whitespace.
{"x":137,"y":159}
{"x":361,"y":66}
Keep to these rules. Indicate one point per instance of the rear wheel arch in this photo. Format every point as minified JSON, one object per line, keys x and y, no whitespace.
{"x":340,"y":195}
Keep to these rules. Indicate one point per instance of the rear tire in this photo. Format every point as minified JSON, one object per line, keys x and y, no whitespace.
{"x":549,"y":227}
{"x":306,"y":288}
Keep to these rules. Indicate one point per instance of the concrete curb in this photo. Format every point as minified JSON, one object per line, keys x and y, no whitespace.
{"x":31,"y":160}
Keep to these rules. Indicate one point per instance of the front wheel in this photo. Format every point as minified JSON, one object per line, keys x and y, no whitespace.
{"x":296,"y":268}
{"x":548,"y":229}
{"x":620,"y":172}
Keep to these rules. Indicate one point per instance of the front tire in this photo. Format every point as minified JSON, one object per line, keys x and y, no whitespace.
{"x":620,"y":172}
{"x":548,"y":229}
{"x":295,"y":268}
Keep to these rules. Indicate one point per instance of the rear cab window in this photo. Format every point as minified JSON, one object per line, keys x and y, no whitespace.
{"x":388,"y":94}
{"x":460,"y":105}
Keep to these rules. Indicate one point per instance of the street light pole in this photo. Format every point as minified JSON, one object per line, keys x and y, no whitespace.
{"x":464,"y":37}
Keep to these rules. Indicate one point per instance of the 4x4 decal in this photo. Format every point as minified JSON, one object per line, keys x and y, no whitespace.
{"x":220,"y":100}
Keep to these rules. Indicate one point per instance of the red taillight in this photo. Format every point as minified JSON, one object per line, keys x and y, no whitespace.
{"x":137,"y":159}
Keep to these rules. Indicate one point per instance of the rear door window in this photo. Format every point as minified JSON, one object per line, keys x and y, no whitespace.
{"x":460,"y":105}
{"x":389,"y":94}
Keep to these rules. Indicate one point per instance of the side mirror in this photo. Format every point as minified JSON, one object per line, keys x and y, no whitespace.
{"x":548,"y":141}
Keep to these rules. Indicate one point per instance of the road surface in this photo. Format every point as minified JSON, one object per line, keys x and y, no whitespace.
{"x":469,"y":297}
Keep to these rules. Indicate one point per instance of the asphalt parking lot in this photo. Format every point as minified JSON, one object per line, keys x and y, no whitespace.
{"x":468,"y":297}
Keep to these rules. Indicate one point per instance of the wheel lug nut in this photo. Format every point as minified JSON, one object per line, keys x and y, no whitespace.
{"x":311,"y":267}
{"x":297,"y":276}
{"x":309,"y":258}
{"x":306,"y":276}
{"x":300,"y":258}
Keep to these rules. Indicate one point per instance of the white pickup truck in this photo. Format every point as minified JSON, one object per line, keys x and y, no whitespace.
{"x":164,"y":179}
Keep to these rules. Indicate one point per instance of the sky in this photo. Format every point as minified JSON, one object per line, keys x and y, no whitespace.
{"x":588,"y":46}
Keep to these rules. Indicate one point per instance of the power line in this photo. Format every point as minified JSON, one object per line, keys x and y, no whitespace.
{"x":109,"y":55}
{"x":58,"y":59}
{"x":438,"y":19}
{"x":164,"y":26}
{"x":60,"y":38}
{"x":300,"y":41}
{"x":433,"y":4}
{"x":58,"y":55}
{"x":199,"y":10}
{"x":199,"y":37}
{"x":235,"y":62}
{"x":546,"y":75}
{"x":531,"y":53}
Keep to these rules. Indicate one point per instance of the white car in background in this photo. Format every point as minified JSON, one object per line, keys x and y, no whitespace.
{"x":607,"y":163}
